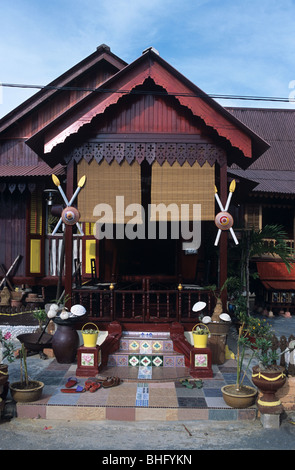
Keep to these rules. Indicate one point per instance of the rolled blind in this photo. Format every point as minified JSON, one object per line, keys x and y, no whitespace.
{"x":183,"y":185}
{"x":103,"y":184}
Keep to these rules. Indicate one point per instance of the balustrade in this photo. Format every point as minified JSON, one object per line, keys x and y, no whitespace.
{"x":142,"y":303}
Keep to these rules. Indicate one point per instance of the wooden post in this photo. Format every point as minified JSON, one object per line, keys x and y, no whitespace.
{"x":69,"y":238}
{"x":223,"y":238}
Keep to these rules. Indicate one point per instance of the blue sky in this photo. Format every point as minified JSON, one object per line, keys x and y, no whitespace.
{"x":230,"y":47}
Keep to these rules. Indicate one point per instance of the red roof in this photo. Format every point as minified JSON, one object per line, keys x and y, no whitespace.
{"x":148,"y":66}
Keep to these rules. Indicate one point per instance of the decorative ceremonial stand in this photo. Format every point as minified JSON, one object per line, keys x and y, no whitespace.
{"x":201,"y":363}
{"x":89,"y":360}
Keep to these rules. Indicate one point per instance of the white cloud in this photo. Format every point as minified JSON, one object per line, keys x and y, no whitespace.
{"x":223,"y":46}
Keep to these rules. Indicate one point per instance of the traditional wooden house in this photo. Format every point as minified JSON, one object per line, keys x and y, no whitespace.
{"x":269,"y":198}
{"x":141,"y":132}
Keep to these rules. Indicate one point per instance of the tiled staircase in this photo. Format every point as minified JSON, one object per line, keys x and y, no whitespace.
{"x":146,"y":349}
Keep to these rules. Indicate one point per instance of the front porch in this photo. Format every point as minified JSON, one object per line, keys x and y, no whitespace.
{"x":142,"y":302}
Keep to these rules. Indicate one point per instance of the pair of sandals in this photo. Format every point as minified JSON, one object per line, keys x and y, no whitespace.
{"x":90,"y":385}
{"x":192,"y":383}
{"x":111,"y":382}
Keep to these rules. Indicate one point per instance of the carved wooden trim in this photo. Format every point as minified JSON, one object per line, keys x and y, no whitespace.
{"x":149,"y":151}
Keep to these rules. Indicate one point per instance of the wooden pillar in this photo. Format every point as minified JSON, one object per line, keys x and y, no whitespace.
{"x":69,"y":237}
{"x":223,"y":238}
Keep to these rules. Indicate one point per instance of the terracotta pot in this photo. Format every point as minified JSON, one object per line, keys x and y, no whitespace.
{"x":25,"y":395}
{"x":269,"y":382}
{"x":242,"y":398}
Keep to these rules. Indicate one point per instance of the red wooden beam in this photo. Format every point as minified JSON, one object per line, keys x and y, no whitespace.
{"x":69,"y":237}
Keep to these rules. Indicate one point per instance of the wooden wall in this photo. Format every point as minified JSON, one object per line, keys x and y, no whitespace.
{"x":13,"y":229}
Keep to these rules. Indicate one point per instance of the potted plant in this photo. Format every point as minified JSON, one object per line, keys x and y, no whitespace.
{"x":200,"y":335}
{"x":6,"y":354}
{"x":238,"y":395}
{"x":40,"y":315}
{"x":90,"y":335}
{"x":16,"y":297}
{"x":255,"y":335}
{"x":268,"y":376}
{"x":254,"y":243}
{"x":26,"y":390}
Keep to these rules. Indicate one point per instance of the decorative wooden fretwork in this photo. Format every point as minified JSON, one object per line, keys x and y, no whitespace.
{"x":149,"y":151}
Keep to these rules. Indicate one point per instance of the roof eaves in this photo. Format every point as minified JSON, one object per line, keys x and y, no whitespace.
{"x":102,"y":53}
{"x":260,"y":145}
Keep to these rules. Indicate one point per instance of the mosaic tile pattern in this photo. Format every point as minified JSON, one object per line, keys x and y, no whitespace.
{"x":145,"y":373}
{"x":142,"y":395}
{"x":146,"y":349}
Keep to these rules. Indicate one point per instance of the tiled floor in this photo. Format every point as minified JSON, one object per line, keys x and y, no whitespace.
{"x":158,"y":398}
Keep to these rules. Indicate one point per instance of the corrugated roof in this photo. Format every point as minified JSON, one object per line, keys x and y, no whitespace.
{"x":40,"y":169}
{"x":274,"y":171}
{"x":275,"y":126}
{"x":268,"y":181}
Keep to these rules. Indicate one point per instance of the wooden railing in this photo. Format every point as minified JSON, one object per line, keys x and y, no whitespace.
{"x":142,"y":303}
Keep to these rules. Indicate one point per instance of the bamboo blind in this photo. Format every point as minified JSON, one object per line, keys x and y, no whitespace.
{"x":104,"y":182}
{"x":183,"y":185}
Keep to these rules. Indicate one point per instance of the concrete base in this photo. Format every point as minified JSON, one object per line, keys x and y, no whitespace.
{"x":270,"y":421}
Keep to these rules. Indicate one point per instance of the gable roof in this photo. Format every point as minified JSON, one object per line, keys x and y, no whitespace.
{"x":67,"y":79}
{"x":149,"y":65}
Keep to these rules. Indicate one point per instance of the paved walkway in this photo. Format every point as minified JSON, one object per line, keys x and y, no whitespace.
{"x":153,"y":433}
{"x":136,"y":400}
{"x":130,"y":401}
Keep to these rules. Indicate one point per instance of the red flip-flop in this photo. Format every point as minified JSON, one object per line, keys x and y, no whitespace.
{"x":71,"y":382}
{"x":78,"y":389}
{"x":95,"y":386}
{"x":92,"y":385}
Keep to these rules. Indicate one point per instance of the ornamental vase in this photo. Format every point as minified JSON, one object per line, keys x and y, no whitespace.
{"x":268,"y":382}
{"x":65,"y":343}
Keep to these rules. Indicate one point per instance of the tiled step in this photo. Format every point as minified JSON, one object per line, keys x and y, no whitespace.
{"x":147,"y":360}
{"x":146,"y":349}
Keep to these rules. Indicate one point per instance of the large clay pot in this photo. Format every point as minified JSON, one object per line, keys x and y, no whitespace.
{"x":242,"y":398}
{"x":28,"y":394}
{"x":65,"y":343}
{"x":269,"y":382}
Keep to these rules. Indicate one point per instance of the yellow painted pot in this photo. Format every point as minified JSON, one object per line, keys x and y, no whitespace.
{"x":89,"y":339}
{"x":200,"y":341}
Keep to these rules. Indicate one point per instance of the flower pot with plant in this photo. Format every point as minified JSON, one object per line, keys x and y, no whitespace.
{"x":40,"y":315}
{"x":267,"y":376}
{"x":26,"y":390}
{"x":16,"y":297}
{"x":89,"y":335}
{"x":238,"y":395}
{"x":6,"y":354}
{"x":200,"y":335}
